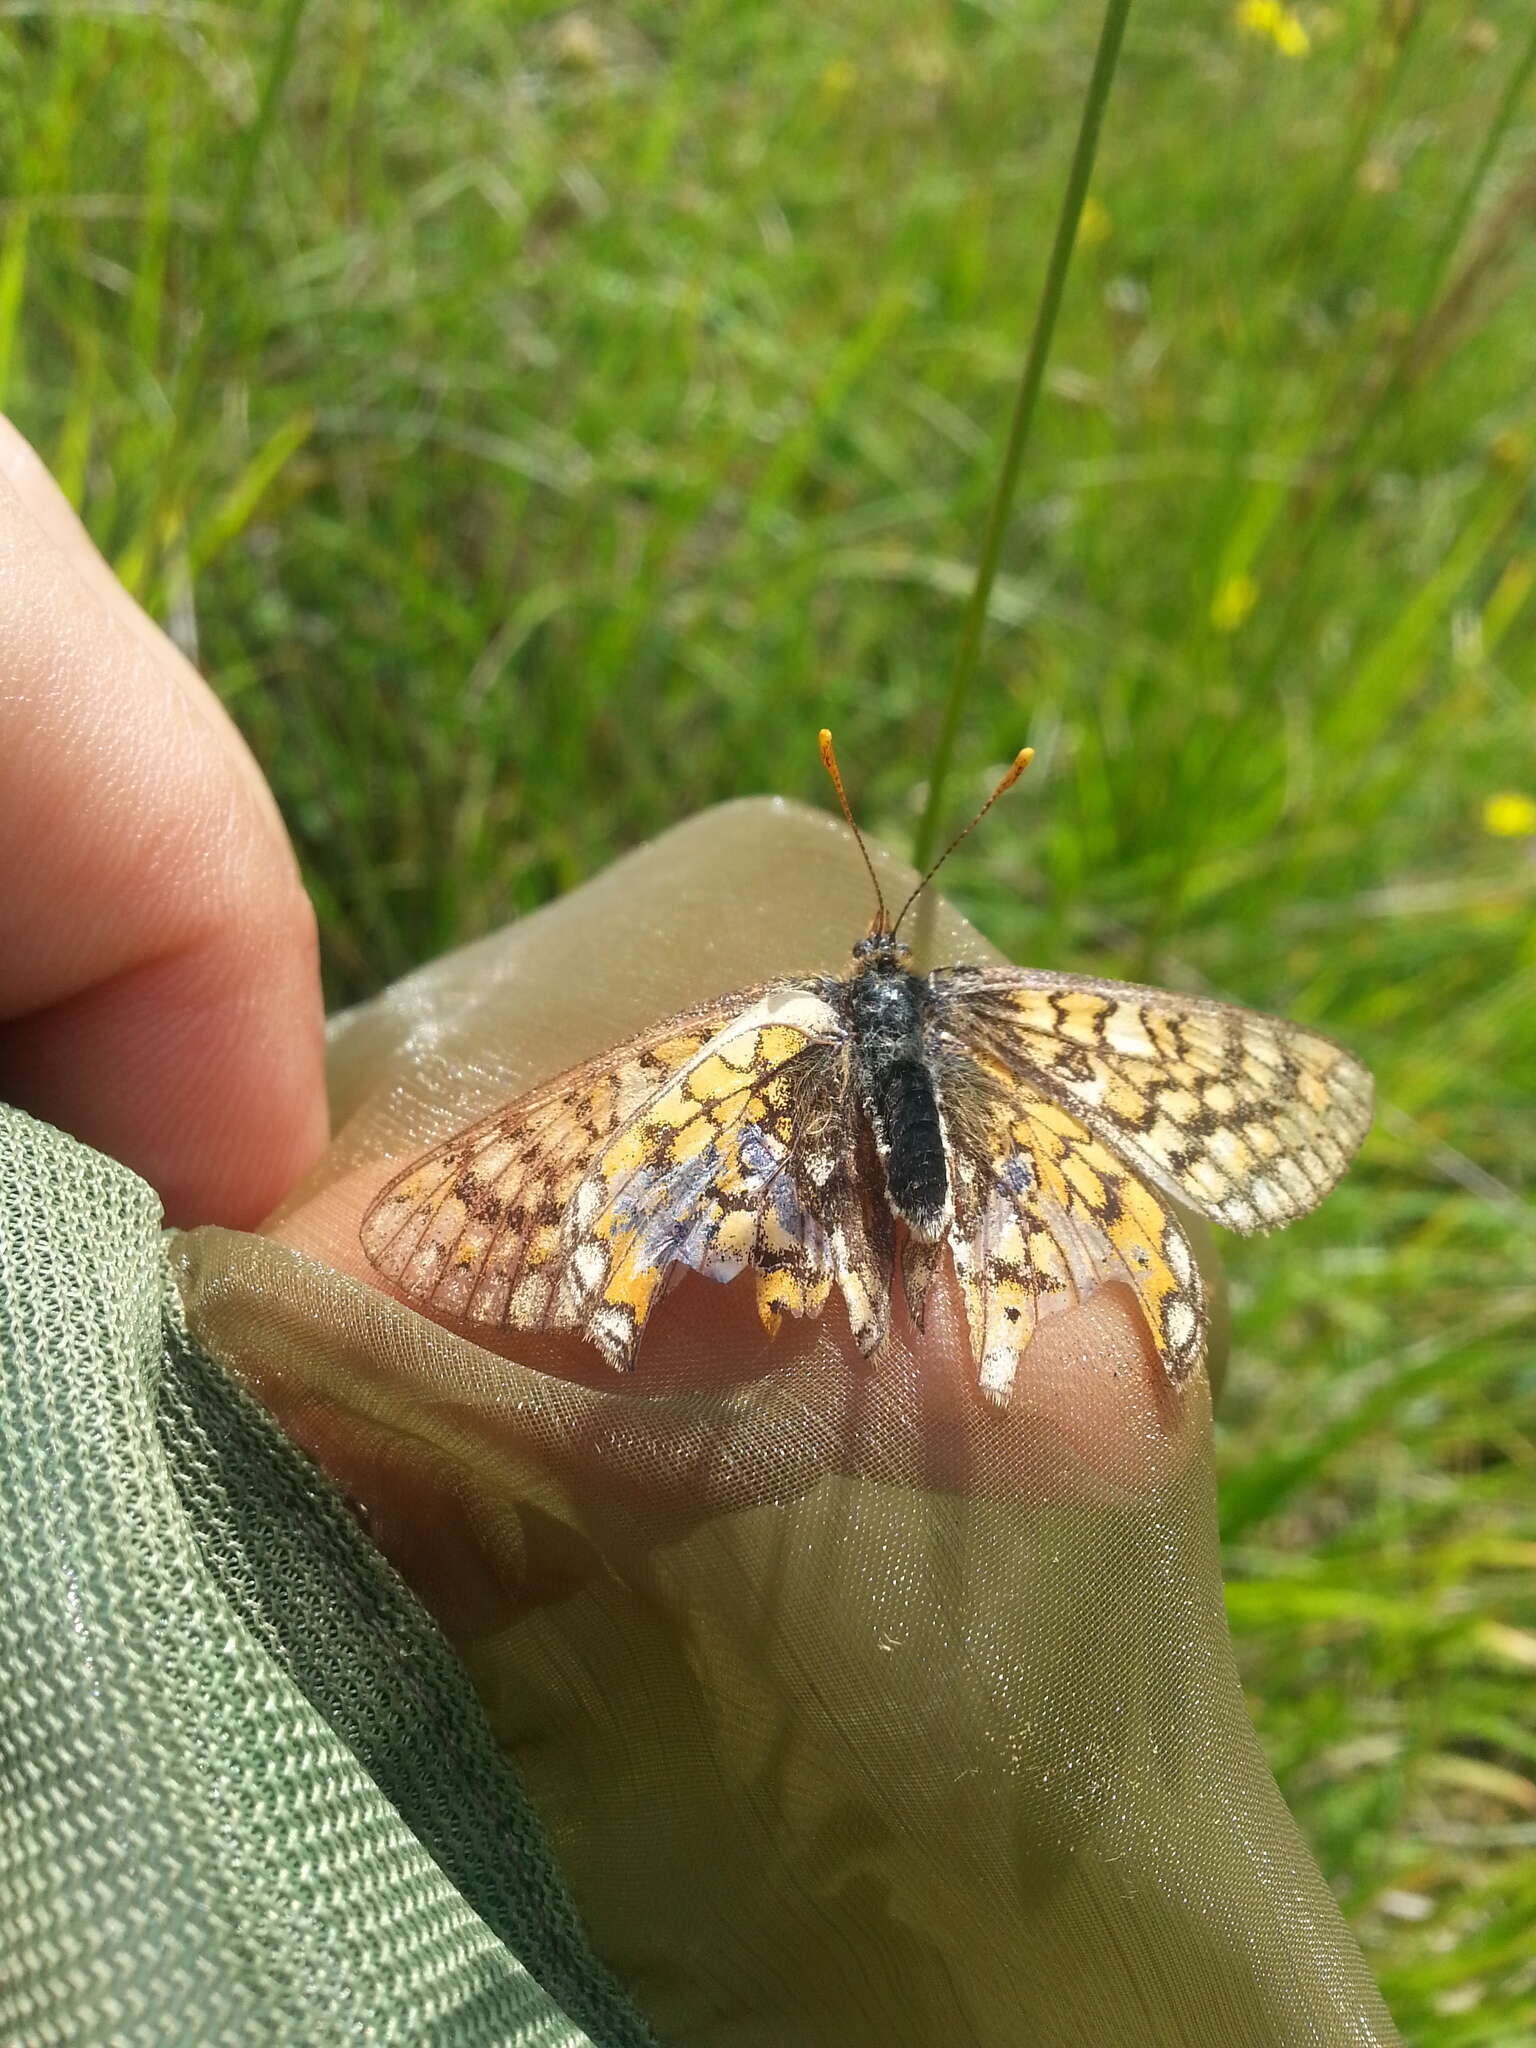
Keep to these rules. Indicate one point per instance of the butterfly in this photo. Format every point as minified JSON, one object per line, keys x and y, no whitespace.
{"x":829,"y":1132}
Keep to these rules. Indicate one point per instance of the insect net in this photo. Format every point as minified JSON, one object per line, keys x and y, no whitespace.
{"x":854,"y":1710}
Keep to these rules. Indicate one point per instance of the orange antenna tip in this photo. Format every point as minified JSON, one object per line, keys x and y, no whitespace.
{"x":1021,"y":761}
{"x":829,"y":762}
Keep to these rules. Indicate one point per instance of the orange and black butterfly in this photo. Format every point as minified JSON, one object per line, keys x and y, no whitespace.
{"x":824,"y":1132}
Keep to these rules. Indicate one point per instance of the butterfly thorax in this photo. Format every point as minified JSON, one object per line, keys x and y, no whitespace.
{"x":889,"y":1008}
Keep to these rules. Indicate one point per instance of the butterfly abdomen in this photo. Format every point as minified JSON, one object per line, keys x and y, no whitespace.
{"x":888,"y":1010}
{"x":912,"y":1142}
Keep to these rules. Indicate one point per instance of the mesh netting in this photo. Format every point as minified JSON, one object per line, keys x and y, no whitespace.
{"x":245,"y":1793}
{"x":853,"y":1709}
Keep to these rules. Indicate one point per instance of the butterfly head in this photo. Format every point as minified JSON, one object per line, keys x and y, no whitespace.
{"x":880,"y":945}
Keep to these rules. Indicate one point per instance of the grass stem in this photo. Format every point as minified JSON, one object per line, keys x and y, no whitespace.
{"x":1030,"y":381}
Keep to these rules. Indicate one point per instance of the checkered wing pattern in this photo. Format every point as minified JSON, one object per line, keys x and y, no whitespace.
{"x":1248,"y":1119}
{"x":1045,"y":1214}
{"x":715,"y":1144}
{"x":1095,"y":1100}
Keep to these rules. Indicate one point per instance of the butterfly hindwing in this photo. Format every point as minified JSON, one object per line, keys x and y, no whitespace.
{"x":1045,"y":1213}
{"x":703,"y":1179}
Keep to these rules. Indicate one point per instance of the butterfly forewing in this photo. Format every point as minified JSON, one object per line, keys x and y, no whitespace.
{"x":474,"y":1227}
{"x":1246,"y":1118}
{"x":691,"y":1147}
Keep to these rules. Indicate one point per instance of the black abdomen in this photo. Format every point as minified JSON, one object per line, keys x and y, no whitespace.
{"x":888,"y":1013}
{"x":906,"y":1117}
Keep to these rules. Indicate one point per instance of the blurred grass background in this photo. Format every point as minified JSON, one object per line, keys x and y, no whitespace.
{"x":538,"y":422}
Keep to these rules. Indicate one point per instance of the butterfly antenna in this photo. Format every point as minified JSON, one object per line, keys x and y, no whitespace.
{"x":829,"y":762}
{"x":1021,"y":761}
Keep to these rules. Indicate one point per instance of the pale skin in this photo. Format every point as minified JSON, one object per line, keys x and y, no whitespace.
{"x":159,"y":978}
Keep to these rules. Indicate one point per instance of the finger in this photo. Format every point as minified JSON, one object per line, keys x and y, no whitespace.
{"x":159,"y":989}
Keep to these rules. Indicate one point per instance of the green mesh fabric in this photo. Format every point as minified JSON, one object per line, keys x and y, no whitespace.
{"x":245,"y":1792}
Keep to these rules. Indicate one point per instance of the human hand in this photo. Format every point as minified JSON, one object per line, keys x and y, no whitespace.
{"x":853,"y":1708}
{"x":159,"y":984}
{"x":795,"y":1649}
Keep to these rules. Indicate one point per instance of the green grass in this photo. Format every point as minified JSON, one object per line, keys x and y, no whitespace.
{"x":587,"y":406}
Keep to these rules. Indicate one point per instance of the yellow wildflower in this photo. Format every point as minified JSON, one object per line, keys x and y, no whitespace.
{"x":839,"y":77}
{"x":1276,"y":23}
{"x":1235,"y":598}
{"x":1093,"y":224}
{"x":1510,"y":814}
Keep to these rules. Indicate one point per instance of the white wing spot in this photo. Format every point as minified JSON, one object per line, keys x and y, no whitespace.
{"x":591,"y":1263}
{"x":1180,"y":1325}
{"x":1125,"y":1031}
{"x":1267,"y":1198}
